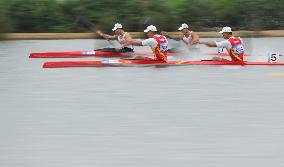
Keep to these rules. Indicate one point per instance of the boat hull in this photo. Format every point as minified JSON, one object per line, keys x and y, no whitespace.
{"x":137,"y":62}
{"x":78,"y":54}
{"x":75,"y":54}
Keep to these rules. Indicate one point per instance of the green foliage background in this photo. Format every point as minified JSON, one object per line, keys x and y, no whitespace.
{"x":201,"y":15}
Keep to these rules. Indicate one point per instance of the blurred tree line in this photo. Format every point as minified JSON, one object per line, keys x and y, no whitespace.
{"x":201,"y":15}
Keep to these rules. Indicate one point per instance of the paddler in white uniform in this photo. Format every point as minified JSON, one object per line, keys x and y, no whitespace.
{"x":120,"y":35}
{"x":190,"y":38}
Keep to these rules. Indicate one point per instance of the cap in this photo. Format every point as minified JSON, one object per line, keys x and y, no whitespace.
{"x":225,"y":29}
{"x":150,"y":28}
{"x":116,"y":26}
{"x":183,"y":26}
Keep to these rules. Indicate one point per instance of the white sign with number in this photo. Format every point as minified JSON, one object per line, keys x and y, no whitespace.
{"x":273,"y":57}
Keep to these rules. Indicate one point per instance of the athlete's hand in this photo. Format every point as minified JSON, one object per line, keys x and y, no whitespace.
{"x":99,"y":33}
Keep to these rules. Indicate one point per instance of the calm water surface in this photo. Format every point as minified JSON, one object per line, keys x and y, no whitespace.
{"x":197,"y":116}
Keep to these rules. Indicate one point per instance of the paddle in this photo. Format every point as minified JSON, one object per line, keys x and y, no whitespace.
{"x":85,"y":22}
{"x":89,"y":25}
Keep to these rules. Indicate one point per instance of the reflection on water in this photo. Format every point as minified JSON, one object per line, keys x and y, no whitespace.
{"x":138,"y":116}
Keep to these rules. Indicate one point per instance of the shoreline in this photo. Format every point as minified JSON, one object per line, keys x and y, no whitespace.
{"x":44,"y":36}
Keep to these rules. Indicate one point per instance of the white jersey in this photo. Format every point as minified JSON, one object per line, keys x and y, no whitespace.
{"x":188,"y":40}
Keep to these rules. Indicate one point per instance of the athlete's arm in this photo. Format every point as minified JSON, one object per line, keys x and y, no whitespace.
{"x":106,"y":36}
{"x":209,"y":43}
{"x":147,"y":42}
{"x":195,"y":38}
{"x":175,"y":37}
{"x":135,"y":43}
{"x":223,"y":44}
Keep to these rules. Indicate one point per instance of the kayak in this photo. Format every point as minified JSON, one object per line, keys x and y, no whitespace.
{"x":143,"y":62}
{"x":74,"y":54}
{"x":78,"y":54}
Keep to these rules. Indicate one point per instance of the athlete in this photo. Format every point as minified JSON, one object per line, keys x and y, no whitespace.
{"x":158,"y":43}
{"x":120,"y":35}
{"x":189,"y":37}
{"x":233,"y":44}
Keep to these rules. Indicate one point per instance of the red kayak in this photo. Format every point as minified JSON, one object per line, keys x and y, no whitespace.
{"x":137,"y":62}
{"x":74,"y":54}
{"x":78,"y":54}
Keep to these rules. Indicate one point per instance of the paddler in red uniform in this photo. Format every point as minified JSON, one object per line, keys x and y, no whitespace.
{"x":233,"y":44}
{"x":120,"y":35}
{"x":158,"y":44}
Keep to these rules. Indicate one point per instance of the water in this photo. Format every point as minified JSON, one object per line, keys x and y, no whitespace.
{"x":197,"y":116}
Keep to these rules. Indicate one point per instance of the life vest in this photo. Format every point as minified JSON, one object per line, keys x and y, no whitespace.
{"x":237,"y":50}
{"x":160,"y":50}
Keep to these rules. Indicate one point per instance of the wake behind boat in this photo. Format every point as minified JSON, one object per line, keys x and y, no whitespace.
{"x":143,"y":62}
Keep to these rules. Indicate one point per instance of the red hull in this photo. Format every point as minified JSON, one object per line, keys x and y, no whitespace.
{"x":78,"y":54}
{"x":74,"y":54}
{"x":125,"y":62}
